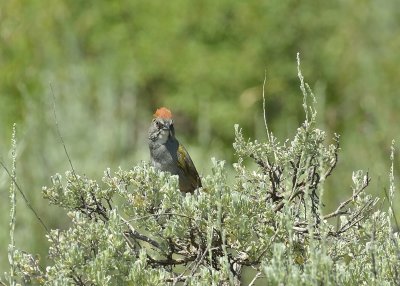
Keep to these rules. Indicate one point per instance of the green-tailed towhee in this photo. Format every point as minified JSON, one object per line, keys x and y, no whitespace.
{"x":167,"y":154}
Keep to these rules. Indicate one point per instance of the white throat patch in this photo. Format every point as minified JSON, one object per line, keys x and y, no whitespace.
{"x":162,"y":136}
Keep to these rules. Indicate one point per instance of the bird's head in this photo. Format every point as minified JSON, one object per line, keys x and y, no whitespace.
{"x":162,"y":126}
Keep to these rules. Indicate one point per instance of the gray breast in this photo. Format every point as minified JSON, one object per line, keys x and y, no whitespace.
{"x":164,"y":156}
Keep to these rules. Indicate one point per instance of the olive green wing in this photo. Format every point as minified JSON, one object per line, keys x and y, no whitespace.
{"x":185,"y":163}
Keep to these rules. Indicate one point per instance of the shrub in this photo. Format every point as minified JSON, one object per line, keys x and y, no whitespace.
{"x":134,"y":227}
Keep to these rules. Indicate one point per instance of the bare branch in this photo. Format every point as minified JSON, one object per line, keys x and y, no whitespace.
{"x":279,"y":206}
{"x":25,"y":198}
{"x":135,"y":234}
{"x":177,"y":279}
{"x":339,"y":210}
{"x":357,"y":217}
{"x":258,"y":275}
{"x":161,"y":214}
{"x":59,"y":133}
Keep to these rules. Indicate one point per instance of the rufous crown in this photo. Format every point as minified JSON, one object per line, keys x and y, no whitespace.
{"x":163,"y":113}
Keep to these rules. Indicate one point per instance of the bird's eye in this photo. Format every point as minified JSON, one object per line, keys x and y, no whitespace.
{"x":159,"y":124}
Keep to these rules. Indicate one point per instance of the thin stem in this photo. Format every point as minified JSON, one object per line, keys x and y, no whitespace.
{"x":59,"y":133}
{"x":13,"y":202}
{"x":264,"y":111}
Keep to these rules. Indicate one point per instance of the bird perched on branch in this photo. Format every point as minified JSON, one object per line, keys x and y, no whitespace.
{"x":167,"y":154}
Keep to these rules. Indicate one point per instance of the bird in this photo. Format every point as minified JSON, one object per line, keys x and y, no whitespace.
{"x":168,"y":154}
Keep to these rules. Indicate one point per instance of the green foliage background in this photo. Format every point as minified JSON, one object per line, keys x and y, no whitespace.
{"x":111,"y":63}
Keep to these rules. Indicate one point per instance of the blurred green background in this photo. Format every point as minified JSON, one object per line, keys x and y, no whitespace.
{"x":111,"y":63}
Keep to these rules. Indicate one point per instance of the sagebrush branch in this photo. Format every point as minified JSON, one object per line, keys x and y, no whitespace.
{"x":339,"y":210}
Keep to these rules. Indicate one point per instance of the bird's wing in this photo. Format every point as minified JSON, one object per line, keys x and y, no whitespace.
{"x":185,"y":163}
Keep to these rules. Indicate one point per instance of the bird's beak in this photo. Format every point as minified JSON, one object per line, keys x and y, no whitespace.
{"x":166,"y":126}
